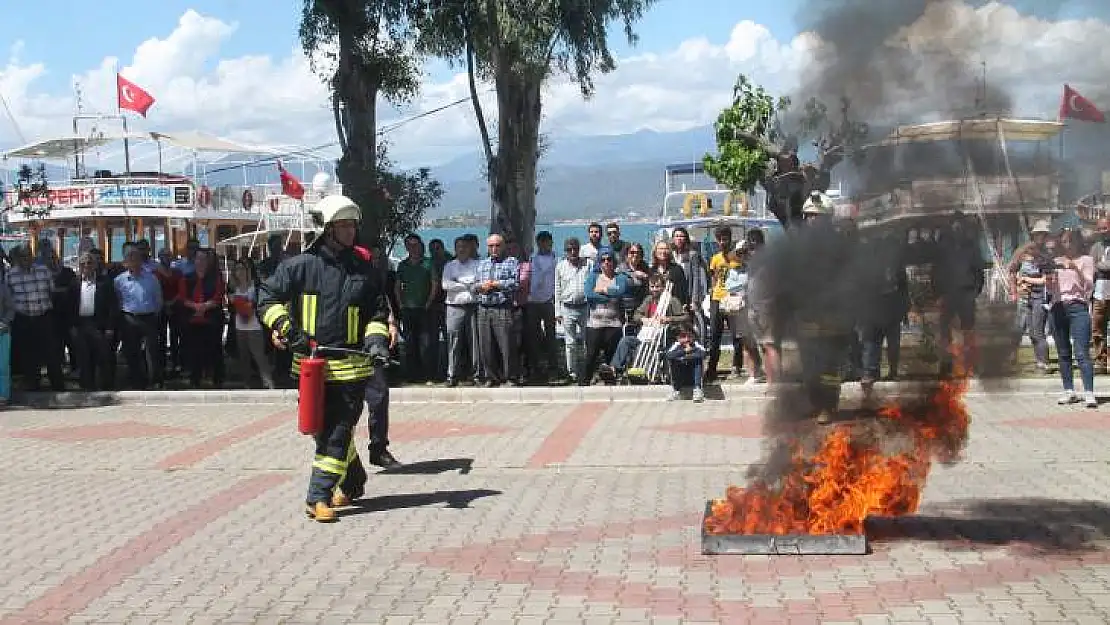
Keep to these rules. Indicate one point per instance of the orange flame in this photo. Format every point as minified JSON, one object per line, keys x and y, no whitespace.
{"x":850,"y":476}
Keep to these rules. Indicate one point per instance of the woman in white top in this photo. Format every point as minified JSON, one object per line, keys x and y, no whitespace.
{"x":251,"y":339}
{"x":1072,"y":285}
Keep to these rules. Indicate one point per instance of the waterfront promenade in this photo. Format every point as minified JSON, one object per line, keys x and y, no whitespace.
{"x":524,"y":506}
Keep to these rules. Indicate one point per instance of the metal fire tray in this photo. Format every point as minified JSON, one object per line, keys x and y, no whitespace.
{"x":781,"y":545}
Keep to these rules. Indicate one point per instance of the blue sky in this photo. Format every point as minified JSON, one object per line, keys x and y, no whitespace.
{"x":265,"y":94}
{"x":80,"y":34}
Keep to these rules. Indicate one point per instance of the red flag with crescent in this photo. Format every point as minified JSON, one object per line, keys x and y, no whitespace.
{"x":133,"y":97}
{"x":289,"y":184}
{"x":1075,"y":106}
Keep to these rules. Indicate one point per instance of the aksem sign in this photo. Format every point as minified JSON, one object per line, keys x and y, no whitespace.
{"x":65,"y":197}
{"x":162,"y":196}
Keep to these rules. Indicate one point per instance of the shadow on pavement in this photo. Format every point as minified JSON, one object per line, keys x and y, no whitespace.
{"x":459,"y":499}
{"x":432,"y":467}
{"x":1045,"y":525}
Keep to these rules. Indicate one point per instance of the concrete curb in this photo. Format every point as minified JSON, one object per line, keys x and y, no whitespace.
{"x":470,"y":395}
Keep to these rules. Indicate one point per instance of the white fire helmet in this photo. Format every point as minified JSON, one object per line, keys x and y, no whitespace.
{"x":335,"y":208}
{"x":1041,"y":226}
{"x":818,"y":204}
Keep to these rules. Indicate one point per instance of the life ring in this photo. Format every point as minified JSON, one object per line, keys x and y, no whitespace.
{"x":275,"y":204}
{"x":248,"y":199}
{"x":688,"y":204}
{"x":204,"y":197}
{"x":738,"y":199}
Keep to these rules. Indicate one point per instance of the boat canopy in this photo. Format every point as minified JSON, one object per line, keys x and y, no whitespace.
{"x":685,"y":169}
{"x":975,"y":129}
{"x":64,"y":148}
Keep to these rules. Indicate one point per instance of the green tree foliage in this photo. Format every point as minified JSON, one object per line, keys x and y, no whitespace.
{"x":362,"y":49}
{"x":410,"y":196}
{"x":746,"y":132}
{"x":517,"y":45}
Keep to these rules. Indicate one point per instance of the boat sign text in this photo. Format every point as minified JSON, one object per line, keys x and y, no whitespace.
{"x":160,"y":195}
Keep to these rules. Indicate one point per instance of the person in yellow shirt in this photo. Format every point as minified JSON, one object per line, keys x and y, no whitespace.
{"x":720,"y":311}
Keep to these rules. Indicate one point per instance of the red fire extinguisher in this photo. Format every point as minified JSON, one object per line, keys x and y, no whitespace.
{"x":310,"y":405}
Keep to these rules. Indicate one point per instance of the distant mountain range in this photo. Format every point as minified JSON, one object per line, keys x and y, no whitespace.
{"x":585,"y":176}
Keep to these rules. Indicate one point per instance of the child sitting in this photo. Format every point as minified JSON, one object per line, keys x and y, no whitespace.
{"x":686,"y":358}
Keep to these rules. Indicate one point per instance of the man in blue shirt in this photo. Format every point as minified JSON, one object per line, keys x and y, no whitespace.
{"x":495,"y":285}
{"x":140,"y":298}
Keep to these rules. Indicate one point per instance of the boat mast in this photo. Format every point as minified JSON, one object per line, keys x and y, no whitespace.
{"x":78,"y":163}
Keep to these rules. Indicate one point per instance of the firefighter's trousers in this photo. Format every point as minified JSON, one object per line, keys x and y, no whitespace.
{"x":822,"y":358}
{"x":337,"y":462}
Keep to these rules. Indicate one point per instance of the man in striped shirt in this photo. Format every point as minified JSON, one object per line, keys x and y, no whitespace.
{"x":33,"y":330}
{"x":496,"y":287}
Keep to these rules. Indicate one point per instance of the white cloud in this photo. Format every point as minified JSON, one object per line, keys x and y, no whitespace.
{"x":270,"y":100}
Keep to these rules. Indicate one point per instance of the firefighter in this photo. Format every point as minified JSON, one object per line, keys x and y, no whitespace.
{"x":328,"y":297}
{"x":824,"y":322}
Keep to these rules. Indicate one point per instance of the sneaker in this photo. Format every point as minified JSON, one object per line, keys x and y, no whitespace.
{"x":752,"y":381}
{"x":1067,"y":397}
{"x":699,"y":395}
{"x":674,"y":396}
{"x":1089,"y":400}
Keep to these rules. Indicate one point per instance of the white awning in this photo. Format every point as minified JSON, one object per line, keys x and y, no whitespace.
{"x":207,"y":143}
{"x":976,"y":129}
{"x":62,"y":148}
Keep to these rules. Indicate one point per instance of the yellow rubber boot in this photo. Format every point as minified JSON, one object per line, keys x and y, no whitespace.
{"x":321,"y":511}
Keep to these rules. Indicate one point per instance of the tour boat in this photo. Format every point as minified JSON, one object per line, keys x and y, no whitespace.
{"x":106,"y":208}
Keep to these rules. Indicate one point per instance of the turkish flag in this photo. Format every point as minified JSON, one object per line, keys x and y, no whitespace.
{"x":132,"y":97}
{"x":1075,"y":106}
{"x":289,"y":184}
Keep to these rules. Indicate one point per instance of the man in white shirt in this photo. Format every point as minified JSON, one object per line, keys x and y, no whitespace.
{"x":459,"y":276}
{"x":570,"y":301}
{"x":589,"y":250}
{"x":539,"y":315}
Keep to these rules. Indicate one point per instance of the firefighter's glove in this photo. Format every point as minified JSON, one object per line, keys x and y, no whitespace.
{"x":297,"y":341}
{"x":377,"y":347}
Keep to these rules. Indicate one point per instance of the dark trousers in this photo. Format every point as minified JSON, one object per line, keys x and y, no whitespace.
{"x":171,"y":339}
{"x":462,"y":341}
{"x":717,"y":320}
{"x":495,"y":336}
{"x":420,"y":361}
{"x":821,"y":358}
{"x":142,"y":349}
{"x":96,"y":362}
{"x":34,"y":344}
{"x":204,"y":351}
{"x":539,"y":338}
{"x":872,"y":337}
{"x":337,"y":462}
{"x":600,"y":342}
{"x":377,"y":405}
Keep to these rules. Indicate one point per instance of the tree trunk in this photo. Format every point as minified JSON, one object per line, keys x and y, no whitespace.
{"x":358,"y":90}
{"x":513,"y":170}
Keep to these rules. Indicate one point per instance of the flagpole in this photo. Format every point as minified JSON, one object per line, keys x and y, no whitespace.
{"x":126,"y":141}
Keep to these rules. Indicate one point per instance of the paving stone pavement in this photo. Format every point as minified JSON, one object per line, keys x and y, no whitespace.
{"x":522,"y":513}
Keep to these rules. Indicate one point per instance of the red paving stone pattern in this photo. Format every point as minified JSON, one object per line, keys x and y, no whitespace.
{"x":410,"y":431}
{"x":118,"y":430}
{"x":747,"y":426}
{"x":502,"y":561}
{"x":1086,"y":420}
{"x":77,"y":592}
{"x":561,"y":444}
{"x":195,"y":454}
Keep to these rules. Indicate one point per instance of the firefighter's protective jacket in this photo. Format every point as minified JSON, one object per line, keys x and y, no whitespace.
{"x":334,"y":299}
